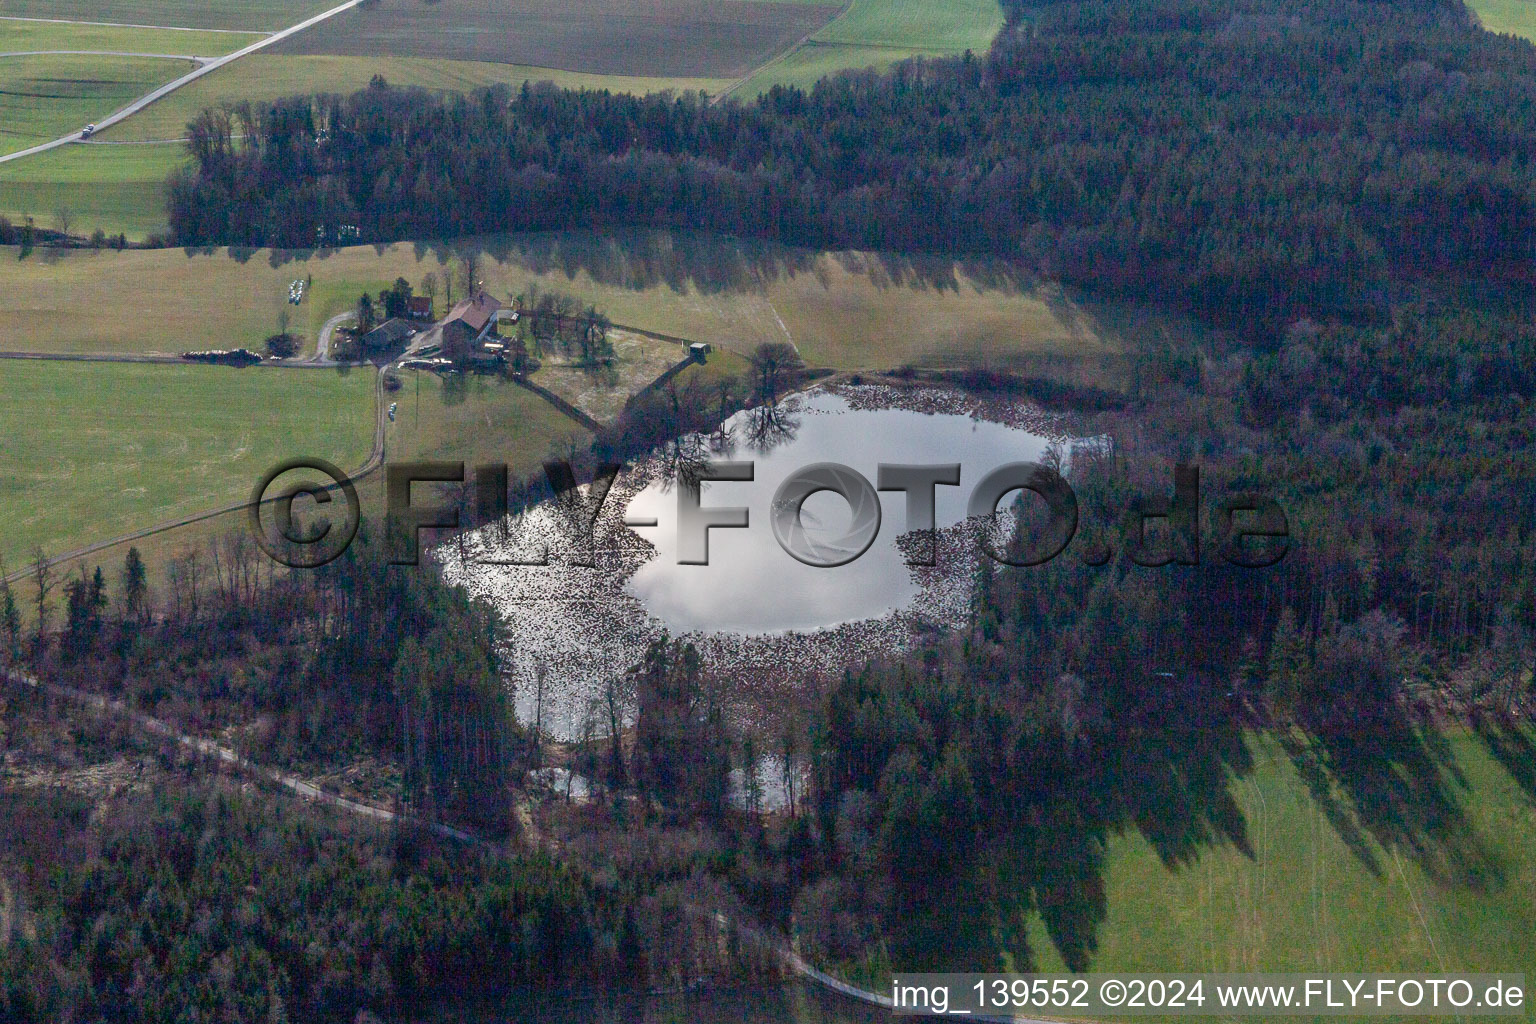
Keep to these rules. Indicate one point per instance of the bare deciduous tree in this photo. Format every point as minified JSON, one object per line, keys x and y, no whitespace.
{"x":469,"y":268}
{"x":429,"y":286}
{"x":776,"y":368}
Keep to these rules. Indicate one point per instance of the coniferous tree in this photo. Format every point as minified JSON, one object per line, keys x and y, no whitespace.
{"x":135,"y":582}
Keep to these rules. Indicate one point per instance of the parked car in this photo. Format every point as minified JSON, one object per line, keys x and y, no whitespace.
{"x":88,"y":131}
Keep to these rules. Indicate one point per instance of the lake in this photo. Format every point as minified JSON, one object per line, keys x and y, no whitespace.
{"x":753,"y":609}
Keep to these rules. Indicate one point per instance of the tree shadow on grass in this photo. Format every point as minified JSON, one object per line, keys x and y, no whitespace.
{"x":1171,"y":784}
{"x":1309,"y":765}
{"x":1513,"y":746}
{"x":1166,"y":770}
{"x":1156,"y":741}
{"x":1396,"y":781}
{"x":681,"y":261}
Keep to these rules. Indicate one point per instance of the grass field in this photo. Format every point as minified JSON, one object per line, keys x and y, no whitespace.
{"x":806,"y":65}
{"x":235,"y":15}
{"x":721,"y":363}
{"x":1418,"y":866}
{"x":262,"y":77}
{"x":21,"y":36}
{"x":477,"y":419}
{"x":155,"y":301}
{"x":878,"y":33}
{"x":1323,"y":891}
{"x":1516,"y":17}
{"x":602,"y":392}
{"x":44,"y":97}
{"x":115,"y":188}
{"x":691,"y":38}
{"x":945,"y":26}
{"x":848,"y":310}
{"x":93,"y":451}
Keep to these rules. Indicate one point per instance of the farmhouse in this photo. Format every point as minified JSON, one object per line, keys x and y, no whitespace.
{"x":419,"y":307}
{"x":471,"y":320}
{"x":389,"y":334}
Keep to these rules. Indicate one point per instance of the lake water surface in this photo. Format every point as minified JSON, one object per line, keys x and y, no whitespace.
{"x":753,"y":610}
{"x":751,"y":585}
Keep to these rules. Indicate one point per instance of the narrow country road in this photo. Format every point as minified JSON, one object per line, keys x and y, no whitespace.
{"x":166,"y":360}
{"x":192,"y":76}
{"x":322,"y":356}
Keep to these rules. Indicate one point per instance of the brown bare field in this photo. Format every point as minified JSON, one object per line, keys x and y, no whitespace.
{"x":691,"y":38}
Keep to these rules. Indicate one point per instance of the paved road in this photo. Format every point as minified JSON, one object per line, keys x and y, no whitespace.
{"x":91,"y":357}
{"x":192,"y":76}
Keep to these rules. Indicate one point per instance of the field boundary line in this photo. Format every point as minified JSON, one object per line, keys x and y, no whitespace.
{"x":104,"y":53}
{"x":916,"y":51}
{"x":132,"y":142}
{"x":784,"y":54}
{"x":124,"y":24}
{"x":1414,"y":902}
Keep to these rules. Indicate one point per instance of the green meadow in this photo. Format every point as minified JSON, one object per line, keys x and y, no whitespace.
{"x":117,"y":188}
{"x":1423,"y":863}
{"x":22,"y":36}
{"x":1339,"y":883}
{"x":95,"y":450}
{"x":878,"y":33}
{"x":926,"y":25}
{"x":1516,"y":17}
{"x":45,"y":97}
{"x":477,"y":419}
